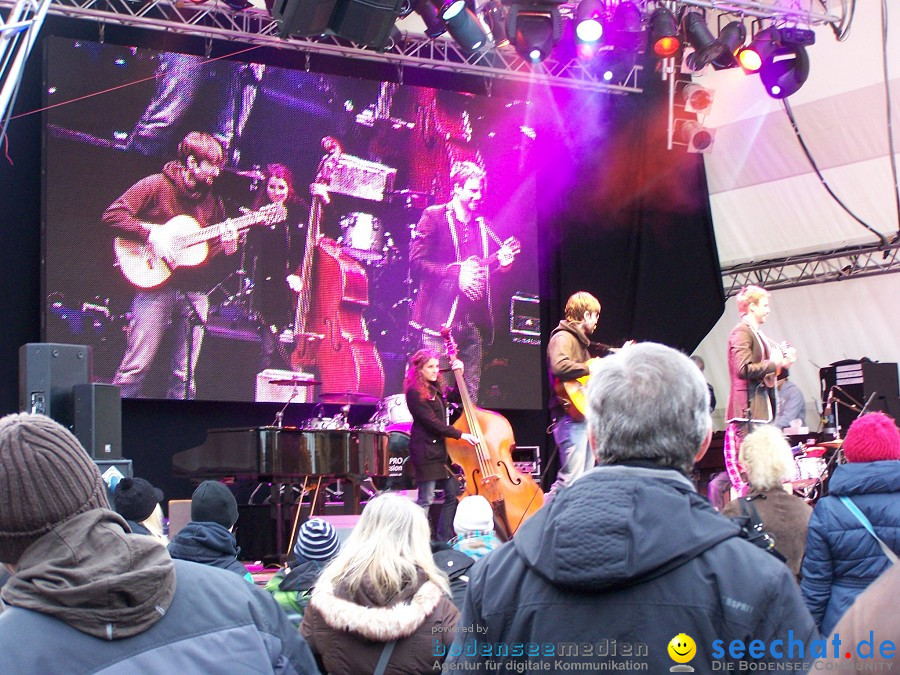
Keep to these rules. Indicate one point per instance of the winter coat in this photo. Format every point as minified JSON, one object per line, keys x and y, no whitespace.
{"x":784,"y":516}
{"x":625,"y":559}
{"x":89,"y":597}
{"x":842,"y":558}
{"x":348,"y":634}
{"x":209,"y":544}
{"x":427,"y":448}
{"x":292,"y":590}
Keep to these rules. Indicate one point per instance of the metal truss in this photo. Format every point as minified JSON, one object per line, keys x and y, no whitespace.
{"x":816,"y":268}
{"x":18,"y":34}
{"x":252,"y":26}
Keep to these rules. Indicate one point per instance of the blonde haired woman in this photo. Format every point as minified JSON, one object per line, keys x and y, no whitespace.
{"x":768,"y":461}
{"x":378,"y":606}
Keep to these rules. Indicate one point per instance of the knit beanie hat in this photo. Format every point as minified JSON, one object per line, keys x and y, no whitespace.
{"x":135,"y":499}
{"x":871,"y":438}
{"x":46,"y":477}
{"x":316,"y":540}
{"x":212,"y":502}
{"x":473,"y":514}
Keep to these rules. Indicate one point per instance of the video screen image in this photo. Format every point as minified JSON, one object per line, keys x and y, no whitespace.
{"x":233,"y":231}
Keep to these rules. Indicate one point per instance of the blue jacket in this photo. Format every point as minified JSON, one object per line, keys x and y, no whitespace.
{"x":624,"y":560}
{"x":842,"y":558}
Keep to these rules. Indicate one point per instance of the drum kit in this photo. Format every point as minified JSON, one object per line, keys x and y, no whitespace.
{"x":810,"y":469}
{"x":363,"y":237}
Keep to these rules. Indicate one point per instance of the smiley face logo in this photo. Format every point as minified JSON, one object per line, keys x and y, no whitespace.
{"x":682,"y":648}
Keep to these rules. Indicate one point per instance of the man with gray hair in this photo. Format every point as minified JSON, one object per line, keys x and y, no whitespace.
{"x":630,"y":564}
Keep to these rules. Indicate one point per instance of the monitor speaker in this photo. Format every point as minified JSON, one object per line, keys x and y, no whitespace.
{"x":47,"y":373}
{"x":98,"y":419}
{"x":855,"y":383}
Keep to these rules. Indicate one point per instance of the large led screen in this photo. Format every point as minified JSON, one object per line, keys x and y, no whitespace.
{"x":407,"y":209}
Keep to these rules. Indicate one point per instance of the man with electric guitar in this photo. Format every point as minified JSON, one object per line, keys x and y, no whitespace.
{"x":568,"y":361}
{"x":171,"y":229}
{"x":451,"y":254}
{"x":754,"y":362}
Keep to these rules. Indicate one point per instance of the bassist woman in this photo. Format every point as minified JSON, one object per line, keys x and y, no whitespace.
{"x":427,"y":404}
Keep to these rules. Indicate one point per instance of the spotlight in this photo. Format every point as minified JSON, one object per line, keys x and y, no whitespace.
{"x":627,"y":31}
{"x":698,"y":138}
{"x":434,"y":27}
{"x":614,"y":65}
{"x":664,"y":33}
{"x":495,"y":17}
{"x":697,"y":99}
{"x":785,"y":70}
{"x":761,"y":46}
{"x":534,"y":29}
{"x":463,"y":25}
{"x":589,"y":20}
{"x":700,"y":38}
{"x":731,"y":38}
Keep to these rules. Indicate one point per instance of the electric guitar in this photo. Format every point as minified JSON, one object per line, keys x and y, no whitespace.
{"x":187,"y":242}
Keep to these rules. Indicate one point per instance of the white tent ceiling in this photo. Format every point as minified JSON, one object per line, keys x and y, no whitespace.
{"x":768,"y":203}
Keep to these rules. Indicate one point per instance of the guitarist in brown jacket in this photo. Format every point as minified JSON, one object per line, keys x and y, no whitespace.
{"x":179,"y":303}
{"x":567,"y":360}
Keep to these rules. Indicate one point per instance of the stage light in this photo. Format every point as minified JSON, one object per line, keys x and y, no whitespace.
{"x":463,"y":25}
{"x":434,"y":27}
{"x":663,"y":31}
{"x":305,"y":18}
{"x":698,"y":138}
{"x":494,"y":16}
{"x":731,"y":38}
{"x":697,"y":99}
{"x":700,"y":38}
{"x":366,"y":22}
{"x":761,"y":46}
{"x":589,"y":20}
{"x":614,"y":65}
{"x":785,"y":70}
{"x":627,"y":31}
{"x":534,"y":29}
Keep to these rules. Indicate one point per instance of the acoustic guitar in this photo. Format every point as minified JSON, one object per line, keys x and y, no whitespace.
{"x":573,"y":393}
{"x":188,"y":243}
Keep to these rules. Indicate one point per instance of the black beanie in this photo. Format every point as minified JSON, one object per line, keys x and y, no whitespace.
{"x":212,"y":502}
{"x":135,"y":499}
{"x":46,"y":477}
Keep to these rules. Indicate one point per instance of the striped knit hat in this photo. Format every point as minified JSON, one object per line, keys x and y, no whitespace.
{"x":46,"y":477}
{"x":316,"y":540}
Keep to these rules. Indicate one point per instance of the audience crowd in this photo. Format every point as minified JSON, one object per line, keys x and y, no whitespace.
{"x":628,"y":564}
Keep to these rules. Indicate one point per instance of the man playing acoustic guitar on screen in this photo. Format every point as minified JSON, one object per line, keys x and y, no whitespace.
{"x":171,"y":229}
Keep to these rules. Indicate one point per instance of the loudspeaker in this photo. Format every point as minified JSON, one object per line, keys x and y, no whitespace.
{"x":98,"y":419}
{"x":855,"y":382}
{"x":114,"y":470}
{"x":47,"y":373}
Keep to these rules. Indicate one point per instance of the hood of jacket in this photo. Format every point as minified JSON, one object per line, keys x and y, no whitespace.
{"x":618,"y":526}
{"x":566,"y":326}
{"x":858,"y":478}
{"x":95,"y":576}
{"x":392,"y":622}
{"x":203,"y":542}
{"x":302,"y":577}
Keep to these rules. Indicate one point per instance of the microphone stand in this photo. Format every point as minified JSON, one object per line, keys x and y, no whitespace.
{"x":193,"y":319}
{"x":279,"y":416}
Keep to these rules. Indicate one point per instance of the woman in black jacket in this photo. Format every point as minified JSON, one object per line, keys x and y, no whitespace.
{"x":427,"y":404}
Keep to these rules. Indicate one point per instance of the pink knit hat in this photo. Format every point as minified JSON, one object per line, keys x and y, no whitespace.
{"x":871,"y":438}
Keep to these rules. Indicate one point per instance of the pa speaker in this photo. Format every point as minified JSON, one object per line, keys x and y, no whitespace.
{"x":98,"y":419}
{"x":47,"y":373}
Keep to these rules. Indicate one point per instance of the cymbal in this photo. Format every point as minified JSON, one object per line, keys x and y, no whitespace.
{"x":832,"y":444}
{"x":348,"y":398}
{"x":295,"y":382}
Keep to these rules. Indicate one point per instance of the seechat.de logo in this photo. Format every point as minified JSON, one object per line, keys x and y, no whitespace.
{"x":682,"y":649}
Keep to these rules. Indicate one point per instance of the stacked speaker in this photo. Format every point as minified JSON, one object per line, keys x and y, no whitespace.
{"x":55,"y":380}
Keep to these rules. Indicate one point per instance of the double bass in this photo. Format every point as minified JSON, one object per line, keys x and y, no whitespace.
{"x":329,"y":331}
{"x":487,"y":466}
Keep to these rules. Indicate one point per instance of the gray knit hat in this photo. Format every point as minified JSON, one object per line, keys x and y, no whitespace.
{"x":46,"y":477}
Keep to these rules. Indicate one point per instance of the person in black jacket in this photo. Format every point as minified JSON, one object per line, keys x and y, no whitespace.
{"x":208,"y":538}
{"x":427,"y":404}
{"x":629,"y":557}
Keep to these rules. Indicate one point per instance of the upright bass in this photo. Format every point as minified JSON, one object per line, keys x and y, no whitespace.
{"x":488,"y":466}
{"x":329,"y":330}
